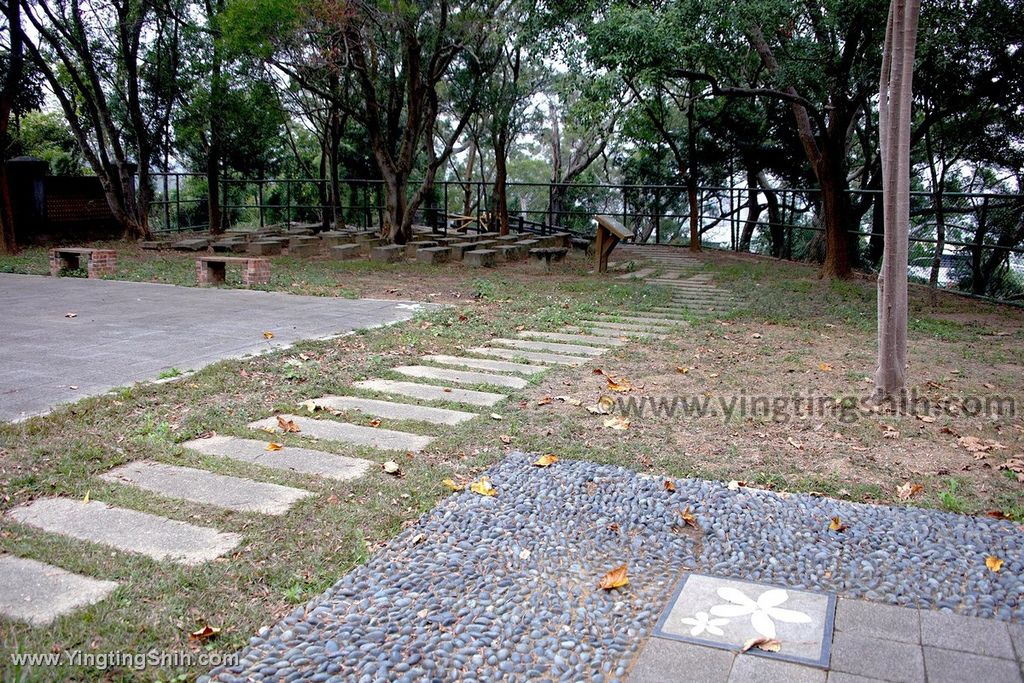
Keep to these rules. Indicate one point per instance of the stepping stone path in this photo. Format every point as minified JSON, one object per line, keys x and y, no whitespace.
{"x":38,"y":593}
{"x":430,"y":392}
{"x":569,"y":349}
{"x":200,"y":486}
{"x":693,"y":292}
{"x":126,"y":530}
{"x":482,"y":364}
{"x":289,"y":458}
{"x":573,"y":338}
{"x":358,"y":435}
{"x":395,"y":411}
{"x":461,"y":376}
{"x":535,"y":356}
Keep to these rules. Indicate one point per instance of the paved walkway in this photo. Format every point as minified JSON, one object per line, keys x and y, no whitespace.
{"x":43,"y":353}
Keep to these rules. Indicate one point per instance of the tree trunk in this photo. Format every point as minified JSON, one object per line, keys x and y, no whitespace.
{"x":775,"y":230}
{"x":894,"y":105}
{"x":8,"y":240}
{"x":467,"y":204}
{"x":834,"y":206}
{"x":691,"y":176}
{"x":336,"y":130}
{"x":753,"y":211}
{"x":501,"y":183}
{"x":940,"y":219}
{"x":395,"y":226}
{"x":215,"y":151}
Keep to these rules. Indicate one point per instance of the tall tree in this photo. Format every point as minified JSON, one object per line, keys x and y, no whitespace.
{"x":12,"y":80}
{"x":895,"y":97}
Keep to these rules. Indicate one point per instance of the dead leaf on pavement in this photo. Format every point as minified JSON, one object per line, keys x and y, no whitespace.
{"x":205,"y":633}
{"x":391,"y":467}
{"x":907,"y":491}
{"x":570,"y":400}
{"x":668,"y":485}
{"x":287,"y":426}
{"x":546,"y":460}
{"x":375,"y":422}
{"x":837,"y":525}
{"x":274,"y":446}
{"x":617,"y":422}
{"x":616,"y":578}
{"x":993,"y":563}
{"x":268,"y":335}
{"x":762,"y":643}
{"x":483,"y":487}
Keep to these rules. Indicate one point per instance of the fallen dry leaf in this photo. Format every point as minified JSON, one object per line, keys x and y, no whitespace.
{"x":545,"y":401}
{"x":483,"y":487}
{"x":617,"y":422}
{"x":1015,"y":465}
{"x":546,"y":460}
{"x":309,"y":405}
{"x":597,"y":371}
{"x":495,"y":416}
{"x":274,"y":446}
{"x":836,"y":524}
{"x":688,"y":517}
{"x":993,"y":563}
{"x":616,"y":578}
{"x":907,"y":491}
{"x":603,"y":406}
{"x":825,"y":367}
{"x":621,"y":386}
{"x":268,"y":335}
{"x":682,"y":370}
{"x":391,"y":467}
{"x":735,"y":485}
{"x":205,"y":633}
{"x":570,"y":400}
{"x":979,"y":447}
{"x":762,"y":643}
{"x":505,"y":439}
{"x":287,"y":426}
{"x":668,"y":485}
{"x":450,"y":483}
{"x":86,"y":499}
{"x":375,"y":422}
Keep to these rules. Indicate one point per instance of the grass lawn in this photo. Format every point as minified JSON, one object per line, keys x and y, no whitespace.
{"x":799,"y":334}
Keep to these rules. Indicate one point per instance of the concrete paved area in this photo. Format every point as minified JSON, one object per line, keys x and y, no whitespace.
{"x":126,"y":332}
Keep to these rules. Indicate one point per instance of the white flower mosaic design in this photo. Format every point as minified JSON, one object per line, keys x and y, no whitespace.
{"x":702,"y":622}
{"x":764,"y":611}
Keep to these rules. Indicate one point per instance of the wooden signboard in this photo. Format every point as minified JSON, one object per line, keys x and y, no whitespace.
{"x":609,"y":233}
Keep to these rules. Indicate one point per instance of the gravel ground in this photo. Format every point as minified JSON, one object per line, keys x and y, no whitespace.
{"x":505,"y":587}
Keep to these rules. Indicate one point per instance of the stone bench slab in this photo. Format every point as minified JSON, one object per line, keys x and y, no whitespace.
{"x":533,"y":356}
{"x":568,"y":349}
{"x":38,"y":593}
{"x":200,"y":486}
{"x":289,"y":458}
{"x":395,"y":411}
{"x":595,"y":340}
{"x":429,"y":392}
{"x":126,"y":530}
{"x":489,"y":365}
{"x":344,"y":432}
{"x":461,"y":376}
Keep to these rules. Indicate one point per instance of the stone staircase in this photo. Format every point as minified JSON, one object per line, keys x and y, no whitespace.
{"x":679,"y":270}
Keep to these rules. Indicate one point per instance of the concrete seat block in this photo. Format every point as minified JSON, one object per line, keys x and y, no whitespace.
{"x":391,"y":253}
{"x":480,"y":258}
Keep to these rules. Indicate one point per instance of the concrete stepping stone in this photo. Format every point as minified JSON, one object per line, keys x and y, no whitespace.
{"x":38,"y":593}
{"x":461,"y":376}
{"x":491,"y":365}
{"x":200,"y":486}
{"x":570,"y":349}
{"x":627,"y":327}
{"x":535,"y":356}
{"x":395,"y":411}
{"x":128,"y":530}
{"x":611,"y":332}
{"x":643,"y":319}
{"x":431,"y":392}
{"x":345,"y":432}
{"x":673,"y":315}
{"x":289,"y":458}
{"x":595,"y":340}
{"x":641,"y":274}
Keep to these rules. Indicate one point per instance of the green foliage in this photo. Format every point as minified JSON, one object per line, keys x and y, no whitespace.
{"x":46,"y":135}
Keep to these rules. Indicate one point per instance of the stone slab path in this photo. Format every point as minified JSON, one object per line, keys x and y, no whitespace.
{"x":461,"y":376}
{"x":359,"y":435}
{"x":395,"y":411}
{"x":535,"y":356}
{"x":567,"y":349}
{"x":126,"y":530}
{"x":38,"y":593}
{"x":595,"y":340}
{"x":483,"y":364}
{"x":289,"y":458}
{"x":430,"y":392}
{"x":155,"y":327}
{"x":506,"y":588}
{"x":200,"y":486}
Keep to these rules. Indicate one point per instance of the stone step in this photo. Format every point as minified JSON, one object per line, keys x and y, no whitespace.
{"x":200,"y":486}
{"x":569,"y":349}
{"x":395,"y":411}
{"x":38,"y":593}
{"x":461,"y":376}
{"x":610,"y":332}
{"x":431,"y":392}
{"x":628,"y":328}
{"x":642,"y":273}
{"x":641,"y":319}
{"x":289,"y":458}
{"x":595,"y":340}
{"x":674,"y":315}
{"x":345,"y":432}
{"x":490,"y":365}
{"x":535,"y":356}
{"x":128,"y":530}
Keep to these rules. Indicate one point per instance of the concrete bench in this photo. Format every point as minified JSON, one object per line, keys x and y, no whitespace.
{"x":333,"y":238}
{"x":98,"y":262}
{"x":266,"y":247}
{"x":411,"y":248}
{"x":346,"y":251}
{"x":433,"y":255}
{"x":231,"y":245}
{"x":510,"y":252}
{"x":192,"y":244}
{"x":458,"y":250}
{"x":542,"y":258}
{"x":391,"y":253}
{"x":303,"y":245}
{"x":211,"y":270}
{"x":480,"y":258}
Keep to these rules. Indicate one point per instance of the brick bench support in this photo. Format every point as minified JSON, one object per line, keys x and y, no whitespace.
{"x":99,"y":262}
{"x":211,"y":270}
